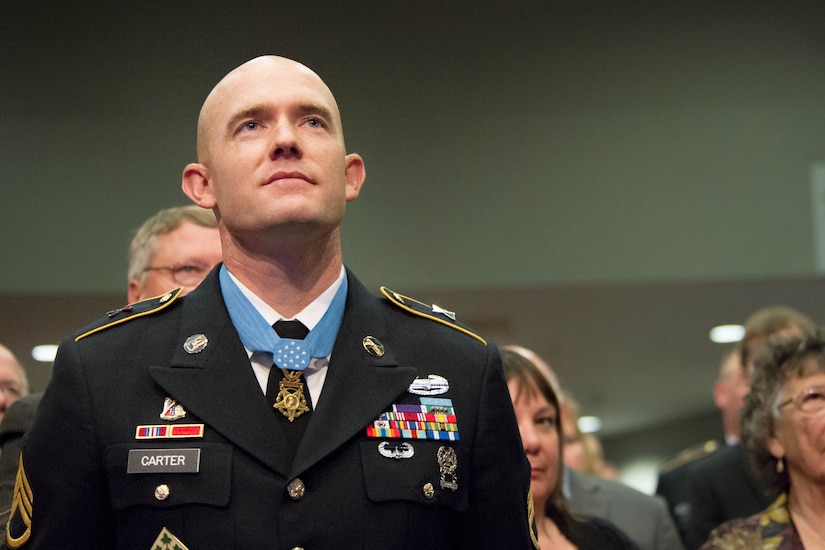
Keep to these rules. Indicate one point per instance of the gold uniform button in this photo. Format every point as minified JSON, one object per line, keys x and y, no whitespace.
{"x":162,"y":492}
{"x":296,"y":489}
{"x":297,"y":548}
{"x":428,"y":491}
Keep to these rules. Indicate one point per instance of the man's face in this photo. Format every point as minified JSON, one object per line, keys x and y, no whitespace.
{"x":191,"y":245}
{"x":273,"y":149}
{"x":11,"y":385}
{"x":733,"y":386}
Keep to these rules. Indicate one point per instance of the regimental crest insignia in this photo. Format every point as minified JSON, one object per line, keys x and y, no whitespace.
{"x":172,"y":410}
{"x":167,"y":541}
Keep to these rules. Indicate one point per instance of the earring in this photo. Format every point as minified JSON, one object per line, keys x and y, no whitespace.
{"x":780,"y":465}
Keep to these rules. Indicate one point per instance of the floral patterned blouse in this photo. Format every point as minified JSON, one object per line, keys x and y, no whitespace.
{"x":771,"y":529}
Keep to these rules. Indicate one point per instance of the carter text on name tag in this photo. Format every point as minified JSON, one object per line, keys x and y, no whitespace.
{"x":150,"y":461}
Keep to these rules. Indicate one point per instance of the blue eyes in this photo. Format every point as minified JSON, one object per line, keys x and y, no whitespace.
{"x":254,"y":125}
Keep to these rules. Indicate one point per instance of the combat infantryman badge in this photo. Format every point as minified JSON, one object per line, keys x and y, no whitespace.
{"x":432,"y":385}
{"x":290,"y":400}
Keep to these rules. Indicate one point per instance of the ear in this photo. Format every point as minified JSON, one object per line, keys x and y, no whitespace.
{"x":776,"y":448}
{"x":133,"y":292}
{"x":196,"y":185}
{"x":355,"y":173}
{"x":720,"y":394}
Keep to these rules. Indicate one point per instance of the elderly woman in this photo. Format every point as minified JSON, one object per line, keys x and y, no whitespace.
{"x":783,"y":428}
{"x":537,"y":412}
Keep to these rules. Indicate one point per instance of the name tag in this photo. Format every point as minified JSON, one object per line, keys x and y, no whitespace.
{"x":151,"y":461}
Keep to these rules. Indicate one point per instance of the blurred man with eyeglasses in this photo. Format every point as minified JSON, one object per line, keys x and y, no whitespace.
{"x":13,"y":381}
{"x":175,"y":247}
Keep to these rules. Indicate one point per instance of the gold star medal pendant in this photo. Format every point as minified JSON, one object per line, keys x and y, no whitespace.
{"x":291,"y":400}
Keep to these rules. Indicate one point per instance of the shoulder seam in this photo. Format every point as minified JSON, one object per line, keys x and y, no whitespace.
{"x":164,"y":301}
{"x":399,"y":300}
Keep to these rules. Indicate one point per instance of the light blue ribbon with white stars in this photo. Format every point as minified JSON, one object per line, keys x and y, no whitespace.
{"x":257,"y":335}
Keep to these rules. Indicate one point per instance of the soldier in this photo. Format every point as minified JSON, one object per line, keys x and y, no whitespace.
{"x":358,"y":422}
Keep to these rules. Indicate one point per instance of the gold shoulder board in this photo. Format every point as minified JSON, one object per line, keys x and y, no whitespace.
{"x":689,"y":455}
{"x":133,"y":311}
{"x":432,"y":312}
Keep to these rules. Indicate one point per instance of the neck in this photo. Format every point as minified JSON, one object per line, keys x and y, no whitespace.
{"x":550,"y":536}
{"x":807,"y":505}
{"x":730,"y":424}
{"x":287,"y":278}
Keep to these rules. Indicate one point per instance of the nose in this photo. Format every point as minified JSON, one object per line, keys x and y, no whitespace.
{"x":529,"y":439}
{"x":285,"y":141}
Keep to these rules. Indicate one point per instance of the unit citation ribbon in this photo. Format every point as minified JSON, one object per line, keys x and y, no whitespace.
{"x":169,"y":431}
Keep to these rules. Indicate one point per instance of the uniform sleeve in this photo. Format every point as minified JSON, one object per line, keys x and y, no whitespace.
{"x":500,"y":474}
{"x":60,"y":498}
{"x":667,"y":536}
{"x":704,"y":509}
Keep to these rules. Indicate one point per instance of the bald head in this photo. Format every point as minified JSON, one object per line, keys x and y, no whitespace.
{"x":13,"y":382}
{"x":219,"y":108}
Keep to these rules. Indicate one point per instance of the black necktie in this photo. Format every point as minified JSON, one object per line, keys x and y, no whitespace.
{"x":291,"y":329}
{"x":295,"y":428}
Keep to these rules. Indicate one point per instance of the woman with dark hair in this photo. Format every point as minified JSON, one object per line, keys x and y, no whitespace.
{"x":537,"y":412}
{"x":783,"y":429}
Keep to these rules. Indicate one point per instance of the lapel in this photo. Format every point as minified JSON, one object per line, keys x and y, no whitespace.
{"x":217,"y":385}
{"x":358,"y":386}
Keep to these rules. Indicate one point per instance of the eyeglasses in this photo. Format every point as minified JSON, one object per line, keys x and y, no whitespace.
{"x":809,"y":401}
{"x":10,"y":389}
{"x":185,"y":274}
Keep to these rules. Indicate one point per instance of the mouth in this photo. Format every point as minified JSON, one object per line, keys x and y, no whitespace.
{"x":288,"y":176}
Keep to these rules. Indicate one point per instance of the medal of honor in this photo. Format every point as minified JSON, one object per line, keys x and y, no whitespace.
{"x":290,"y":400}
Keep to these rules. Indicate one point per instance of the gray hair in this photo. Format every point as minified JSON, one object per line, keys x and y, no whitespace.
{"x":145,"y":242}
{"x":780,"y":361}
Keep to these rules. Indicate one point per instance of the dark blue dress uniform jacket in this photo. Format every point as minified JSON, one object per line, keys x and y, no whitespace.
{"x":109,"y":382}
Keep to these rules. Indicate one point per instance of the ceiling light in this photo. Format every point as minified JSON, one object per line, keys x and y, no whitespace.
{"x":589,"y":424}
{"x":44,"y":353}
{"x":725,"y":334}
